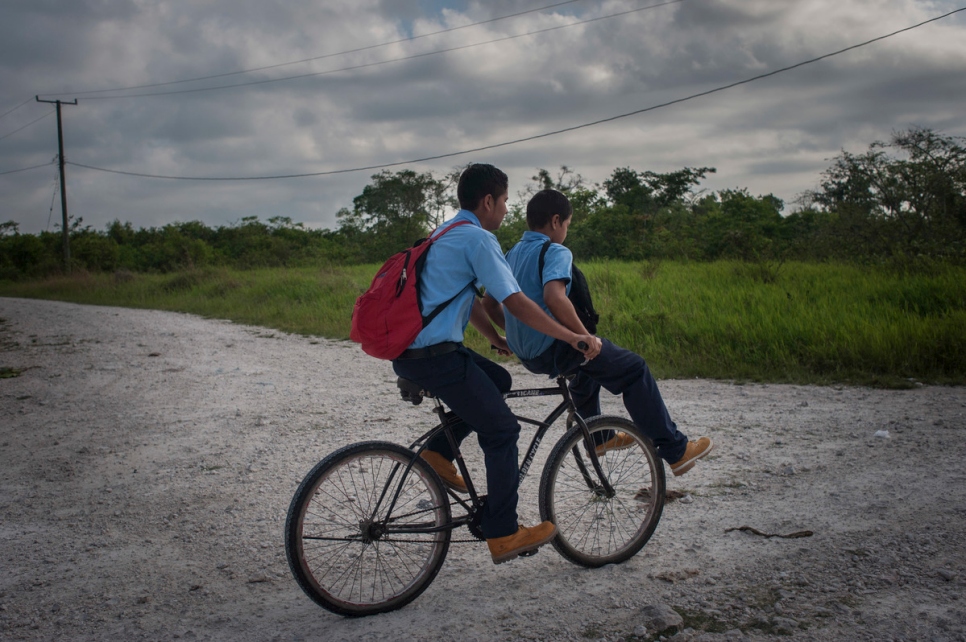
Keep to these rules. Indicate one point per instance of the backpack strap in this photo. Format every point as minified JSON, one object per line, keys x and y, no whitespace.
{"x":543,"y":253}
{"x":579,"y":293}
{"x":437,"y":233}
{"x":442,"y":306}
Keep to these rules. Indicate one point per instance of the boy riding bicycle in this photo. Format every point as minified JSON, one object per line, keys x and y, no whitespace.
{"x":464,"y":258}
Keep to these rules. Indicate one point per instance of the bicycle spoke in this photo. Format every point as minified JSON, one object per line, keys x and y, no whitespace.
{"x":337,"y":540}
{"x":595,"y":529}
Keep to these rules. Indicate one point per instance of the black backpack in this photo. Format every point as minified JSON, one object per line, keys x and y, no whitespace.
{"x":579,"y":294}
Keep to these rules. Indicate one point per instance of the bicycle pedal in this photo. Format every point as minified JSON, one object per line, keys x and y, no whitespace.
{"x":530,"y":553}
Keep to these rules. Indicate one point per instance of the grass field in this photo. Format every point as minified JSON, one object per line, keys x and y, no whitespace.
{"x":804,"y":323}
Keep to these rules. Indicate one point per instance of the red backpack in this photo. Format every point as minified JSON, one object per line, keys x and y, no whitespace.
{"x":387,"y":317}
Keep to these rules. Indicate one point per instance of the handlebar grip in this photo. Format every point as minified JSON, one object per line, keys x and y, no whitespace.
{"x":583,"y":346}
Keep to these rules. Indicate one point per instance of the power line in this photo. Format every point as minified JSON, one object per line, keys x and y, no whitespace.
{"x":27,"y":169}
{"x":537,"y":136}
{"x":328,"y":55}
{"x":7,"y":113}
{"x":53,"y":197}
{"x":391,"y":60}
{"x":28,"y":124}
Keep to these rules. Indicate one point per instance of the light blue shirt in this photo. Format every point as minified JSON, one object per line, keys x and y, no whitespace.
{"x":465,"y":255}
{"x":524,"y":260}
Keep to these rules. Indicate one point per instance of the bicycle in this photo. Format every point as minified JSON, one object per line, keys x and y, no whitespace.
{"x":370,"y":525}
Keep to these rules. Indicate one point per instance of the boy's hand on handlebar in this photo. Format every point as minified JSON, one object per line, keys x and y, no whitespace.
{"x":588,"y":344}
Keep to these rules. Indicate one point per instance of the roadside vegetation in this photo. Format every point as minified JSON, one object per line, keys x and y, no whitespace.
{"x":801,"y":322}
{"x":863,"y":282}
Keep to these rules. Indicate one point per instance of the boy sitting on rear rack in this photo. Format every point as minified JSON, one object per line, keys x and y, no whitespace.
{"x":618,"y":370}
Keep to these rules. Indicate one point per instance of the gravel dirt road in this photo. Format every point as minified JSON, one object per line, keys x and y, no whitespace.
{"x":147,"y":460}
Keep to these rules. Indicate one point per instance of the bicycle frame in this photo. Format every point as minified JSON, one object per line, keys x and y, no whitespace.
{"x":371,"y":524}
{"x":475,"y":502}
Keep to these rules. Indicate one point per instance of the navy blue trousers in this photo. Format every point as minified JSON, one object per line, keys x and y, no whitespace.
{"x":473,"y":386}
{"x":621,"y":372}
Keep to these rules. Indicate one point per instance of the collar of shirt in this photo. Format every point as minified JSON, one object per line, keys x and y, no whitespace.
{"x":530,"y":236}
{"x":463,"y":215}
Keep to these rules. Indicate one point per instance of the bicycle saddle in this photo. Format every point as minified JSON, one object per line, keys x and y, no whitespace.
{"x":412,"y":391}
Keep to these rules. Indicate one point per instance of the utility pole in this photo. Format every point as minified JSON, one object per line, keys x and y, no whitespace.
{"x":63,"y":185}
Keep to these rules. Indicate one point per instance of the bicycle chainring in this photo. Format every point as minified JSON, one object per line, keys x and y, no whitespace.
{"x":475,"y":523}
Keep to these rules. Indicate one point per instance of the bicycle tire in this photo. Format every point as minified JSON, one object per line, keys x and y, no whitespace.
{"x":592,"y":529}
{"x":333,"y":549}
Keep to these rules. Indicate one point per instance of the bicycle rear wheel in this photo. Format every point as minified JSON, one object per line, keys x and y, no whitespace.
{"x":344,"y":548}
{"x":593,"y":529}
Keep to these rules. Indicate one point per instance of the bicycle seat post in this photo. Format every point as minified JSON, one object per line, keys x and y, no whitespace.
{"x":439,"y":409}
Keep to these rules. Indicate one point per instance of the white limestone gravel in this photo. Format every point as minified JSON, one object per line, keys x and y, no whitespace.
{"x":147,"y":460}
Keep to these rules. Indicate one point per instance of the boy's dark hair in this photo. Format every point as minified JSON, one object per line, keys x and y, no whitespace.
{"x":478,"y":180}
{"x":544,"y":205}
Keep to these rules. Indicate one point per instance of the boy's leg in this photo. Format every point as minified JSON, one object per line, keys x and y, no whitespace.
{"x":458,"y":379}
{"x":623,"y":372}
{"x":583,"y":389}
{"x":503,"y":381}
{"x":586,"y":395}
{"x":558,"y":358}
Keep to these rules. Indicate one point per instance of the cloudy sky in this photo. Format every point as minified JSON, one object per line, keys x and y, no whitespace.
{"x":308,"y":87}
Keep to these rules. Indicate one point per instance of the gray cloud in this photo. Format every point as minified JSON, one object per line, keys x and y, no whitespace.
{"x":775,"y":136}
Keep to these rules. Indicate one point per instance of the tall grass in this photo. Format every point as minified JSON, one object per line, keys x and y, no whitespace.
{"x":798,"y":323}
{"x":807,"y":323}
{"x":309,"y":301}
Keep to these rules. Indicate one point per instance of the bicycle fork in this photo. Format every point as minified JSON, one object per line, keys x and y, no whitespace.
{"x":604,"y":488}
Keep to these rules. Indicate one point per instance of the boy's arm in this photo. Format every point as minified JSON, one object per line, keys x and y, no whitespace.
{"x":533,"y":315}
{"x":495,"y":311}
{"x":480,"y":321}
{"x":555,"y":296}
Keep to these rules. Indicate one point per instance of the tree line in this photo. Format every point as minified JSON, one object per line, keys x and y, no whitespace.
{"x":902,"y":201}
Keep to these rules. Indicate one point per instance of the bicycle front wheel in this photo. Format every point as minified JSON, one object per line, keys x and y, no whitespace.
{"x":594,"y":529}
{"x":365,"y":536}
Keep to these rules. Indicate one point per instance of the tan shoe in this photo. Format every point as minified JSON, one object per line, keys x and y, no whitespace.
{"x":446,"y":470}
{"x":695,"y":451}
{"x":504,"y":549}
{"x":620,"y":441}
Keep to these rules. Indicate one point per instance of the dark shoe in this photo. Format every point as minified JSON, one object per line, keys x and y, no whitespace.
{"x":504,"y":549}
{"x":446,"y":470}
{"x":695,"y":451}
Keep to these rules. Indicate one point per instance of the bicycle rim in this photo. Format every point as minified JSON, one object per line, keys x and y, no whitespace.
{"x":593,"y":529}
{"x":341,"y":548}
